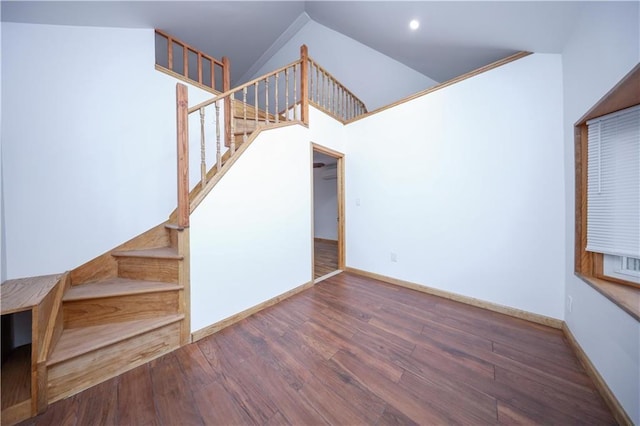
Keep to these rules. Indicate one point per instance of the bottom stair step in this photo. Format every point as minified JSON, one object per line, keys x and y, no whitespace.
{"x":87,"y":356}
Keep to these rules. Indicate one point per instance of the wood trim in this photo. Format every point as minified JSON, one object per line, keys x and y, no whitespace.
{"x":49,"y":338}
{"x":16,"y":413}
{"x":612,"y":402}
{"x":513,"y":312}
{"x":624,"y":94}
{"x":214,"y":328}
{"x":326,"y":111}
{"x":226,"y":86}
{"x":186,"y":80}
{"x":625,"y":297}
{"x":182,"y":128}
{"x":184,"y":279}
{"x":239,"y":88}
{"x":447,"y":83}
{"x":588,"y":266}
{"x":197,"y":199}
{"x":187,"y":46}
{"x":304,"y":84}
{"x":325,"y":240}
{"x":341,"y":199}
{"x":330,"y":76}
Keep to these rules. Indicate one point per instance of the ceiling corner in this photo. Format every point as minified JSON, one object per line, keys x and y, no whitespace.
{"x":286,"y":35}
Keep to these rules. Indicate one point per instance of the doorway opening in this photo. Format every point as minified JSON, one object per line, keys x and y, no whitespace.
{"x":328,"y":212}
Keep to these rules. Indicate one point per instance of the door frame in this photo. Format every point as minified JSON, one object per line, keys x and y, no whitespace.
{"x":340,"y":198}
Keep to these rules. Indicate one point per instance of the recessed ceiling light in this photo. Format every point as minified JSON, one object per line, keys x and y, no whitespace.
{"x":414,"y":24}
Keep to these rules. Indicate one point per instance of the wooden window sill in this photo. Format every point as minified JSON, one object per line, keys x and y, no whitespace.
{"x":625,"y":297}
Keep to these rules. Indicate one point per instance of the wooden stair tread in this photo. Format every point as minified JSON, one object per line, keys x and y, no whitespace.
{"x":78,"y":341}
{"x":154,"y":253}
{"x":23,"y":293}
{"x":116,"y":287}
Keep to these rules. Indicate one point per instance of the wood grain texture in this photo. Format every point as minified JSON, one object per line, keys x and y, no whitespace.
{"x":325,"y":258}
{"x":25,"y":293}
{"x":149,"y":269}
{"x":106,"y":266}
{"x":16,"y":377}
{"x":116,"y":309}
{"x":353,"y":350}
{"x":81,"y":370}
{"x":207,"y":331}
{"x":612,"y":402}
{"x":517,"y":313}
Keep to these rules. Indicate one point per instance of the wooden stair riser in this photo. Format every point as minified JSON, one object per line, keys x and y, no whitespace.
{"x":77,"y":374}
{"x":148,"y":269}
{"x":105,"y":266}
{"x":106,"y":310}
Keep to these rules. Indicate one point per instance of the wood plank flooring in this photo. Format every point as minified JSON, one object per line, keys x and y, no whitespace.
{"x":325,"y":257}
{"x":348,"y":351}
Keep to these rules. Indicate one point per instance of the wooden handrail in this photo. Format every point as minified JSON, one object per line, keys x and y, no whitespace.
{"x":239,"y":88}
{"x":346,"y":105}
{"x":201,"y":58}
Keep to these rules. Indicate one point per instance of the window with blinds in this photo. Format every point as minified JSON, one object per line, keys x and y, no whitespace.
{"x":613,"y":184}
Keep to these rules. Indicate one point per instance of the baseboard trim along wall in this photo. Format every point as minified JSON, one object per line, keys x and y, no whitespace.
{"x":518,"y":313}
{"x":612,"y":402}
{"x":213,"y":328}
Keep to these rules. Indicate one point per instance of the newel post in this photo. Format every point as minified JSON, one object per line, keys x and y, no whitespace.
{"x":304,"y":84}
{"x":182,"y":126}
{"x":226,"y":86}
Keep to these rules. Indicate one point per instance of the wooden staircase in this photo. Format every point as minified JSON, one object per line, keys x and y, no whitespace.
{"x":121,"y":310}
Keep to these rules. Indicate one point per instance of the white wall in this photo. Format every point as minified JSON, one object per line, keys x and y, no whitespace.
{"x":88,"y":143}
{"x":378,"y":80}
{"x":465,"y":186}
{"x":325,"y":206}
{"x":251,"y":237}
{"x":605,"y":46}
{"x":3,"y":259}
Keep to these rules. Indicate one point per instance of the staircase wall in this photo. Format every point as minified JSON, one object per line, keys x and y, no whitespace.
{"x":465,"y":185}
{"x":251,"y":236}
{"x":88,"y":138}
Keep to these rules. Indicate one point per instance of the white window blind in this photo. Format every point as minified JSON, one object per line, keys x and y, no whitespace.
{"x":613,"y":188}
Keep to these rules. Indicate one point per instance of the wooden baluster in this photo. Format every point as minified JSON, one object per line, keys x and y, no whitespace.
{"x":203,"y":161}
{"x":213,"y":74}
{"x":275,"y":90}
{"x":317,"y":85}
{"x":295,"y":93}
{"x":244,"y":113}
{"x":182,"y":130}
{"x":311,"y":81}
{"x":170,"y":53}
{"x":185,"y":60}
{"x":324,"y":89}
{"x":232,"y":145}
{"x":226,"y":86}
{"x":255,"y":102}
{"x":266,"y":99}
{"x":304,"y":84}
{"x":218,"y":154}
{"x":199,"y":67}
{"x":286,"y":92}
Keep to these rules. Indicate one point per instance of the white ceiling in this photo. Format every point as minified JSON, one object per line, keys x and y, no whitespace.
{"x":454,"y":36}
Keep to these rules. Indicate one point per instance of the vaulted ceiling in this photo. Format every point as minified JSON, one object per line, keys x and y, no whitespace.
{"x":454,"y":36}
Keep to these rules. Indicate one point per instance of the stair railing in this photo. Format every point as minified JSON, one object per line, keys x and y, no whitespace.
{"x":329,"y":95}
{"x":185,"y":61}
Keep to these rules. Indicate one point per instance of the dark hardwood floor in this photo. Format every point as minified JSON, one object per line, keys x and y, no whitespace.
{"x":325,"y":257}
{"x":348,"y":351}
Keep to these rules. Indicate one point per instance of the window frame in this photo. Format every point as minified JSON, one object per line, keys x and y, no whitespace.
{"x":589,"y":266}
